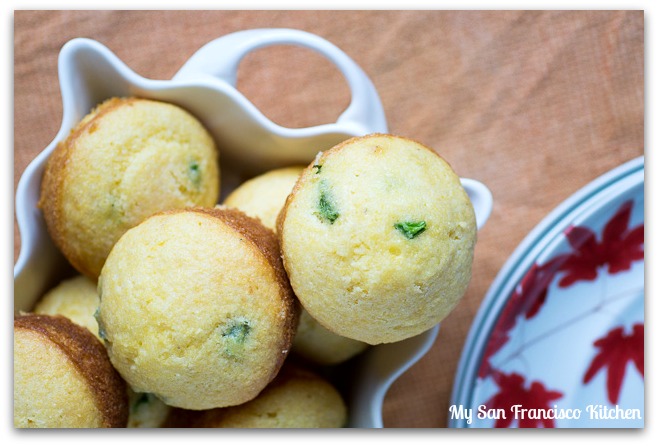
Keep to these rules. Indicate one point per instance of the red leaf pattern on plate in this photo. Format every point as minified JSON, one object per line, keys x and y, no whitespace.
{"x":615,"y":350}
{"x":526,"y":300}
{"x":512,"y":391}
{"x":496,"y":341}
{"x":619,"y":247}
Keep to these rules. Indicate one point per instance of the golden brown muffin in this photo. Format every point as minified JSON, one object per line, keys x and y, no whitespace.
{"x":297,"y":398}
{"x":63,"y":377}
{"x":196,"y":307}
{"x":146,"y":410}
{"x":263,"y":197}
{"x":126,"y":160}
{"x":321,"y":346}
{"x":76,"y":299}
{"x":377,"y":238}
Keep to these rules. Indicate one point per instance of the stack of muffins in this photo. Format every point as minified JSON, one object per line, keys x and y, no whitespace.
{"x":190,"y":313}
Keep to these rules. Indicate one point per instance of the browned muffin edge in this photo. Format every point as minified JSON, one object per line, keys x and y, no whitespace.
{"x":90,"y":359}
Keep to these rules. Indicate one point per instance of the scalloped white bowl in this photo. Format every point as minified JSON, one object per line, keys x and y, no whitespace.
{"x":249,"y":142}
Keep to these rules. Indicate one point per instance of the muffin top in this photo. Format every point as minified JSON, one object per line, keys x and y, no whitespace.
{"x":75,"y":298}
{"x":146,"y":411}
{"x":377,"y":238}
{"x":263,"y":196}
{"x":297,"y":398}
{"x":196,"y":308}
{"x":128,"y":159}
{"x":321,"y":346}
{"x":63,"y":377}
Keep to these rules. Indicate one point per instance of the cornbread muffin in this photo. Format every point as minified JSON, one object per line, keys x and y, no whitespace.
{"x":377,"y":238}
{"x":146,"y":410}
{"x":63,"y":377}
{"x":126,"y":160}
{"x":263,"y":197}
{"x":321,"y":346}
{"x":196,"y":307}
{"x":297,"y":398}
{"x":76,"y":299}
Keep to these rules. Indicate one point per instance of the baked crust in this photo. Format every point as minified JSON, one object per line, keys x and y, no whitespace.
{"x":90,"y":359}
{"x":263,"y":196}
{"x":50,"y":200}
{"x":290,"y":374}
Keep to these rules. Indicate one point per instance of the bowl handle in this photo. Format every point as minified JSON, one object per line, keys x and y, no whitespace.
{"x":221,"y":57}
{"x":481,"y":198}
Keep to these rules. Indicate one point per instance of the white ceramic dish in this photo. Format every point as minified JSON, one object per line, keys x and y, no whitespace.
{"x":249,"y":143}
{"x":562,"y":326}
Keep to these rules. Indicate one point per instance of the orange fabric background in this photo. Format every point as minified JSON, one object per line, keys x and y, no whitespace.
{"x":535,"y":104}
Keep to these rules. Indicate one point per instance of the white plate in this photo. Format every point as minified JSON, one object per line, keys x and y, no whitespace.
{"x":562,"y":326}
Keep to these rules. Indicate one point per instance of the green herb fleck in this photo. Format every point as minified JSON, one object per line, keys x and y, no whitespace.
{"x":326,"y":206}
{"x":237,"y":331}
{"x":144,"y":398}
{"x":411,"y":229}
{"x":194,"y":172}
{"x":102,"y":334}
{"x":101,"y":330}
{"x":317,"y":166}
{"x":327,"y":210}
{"x":234,"y":336}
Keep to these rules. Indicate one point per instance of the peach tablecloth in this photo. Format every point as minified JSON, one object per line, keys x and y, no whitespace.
{"x":535,"y":104}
